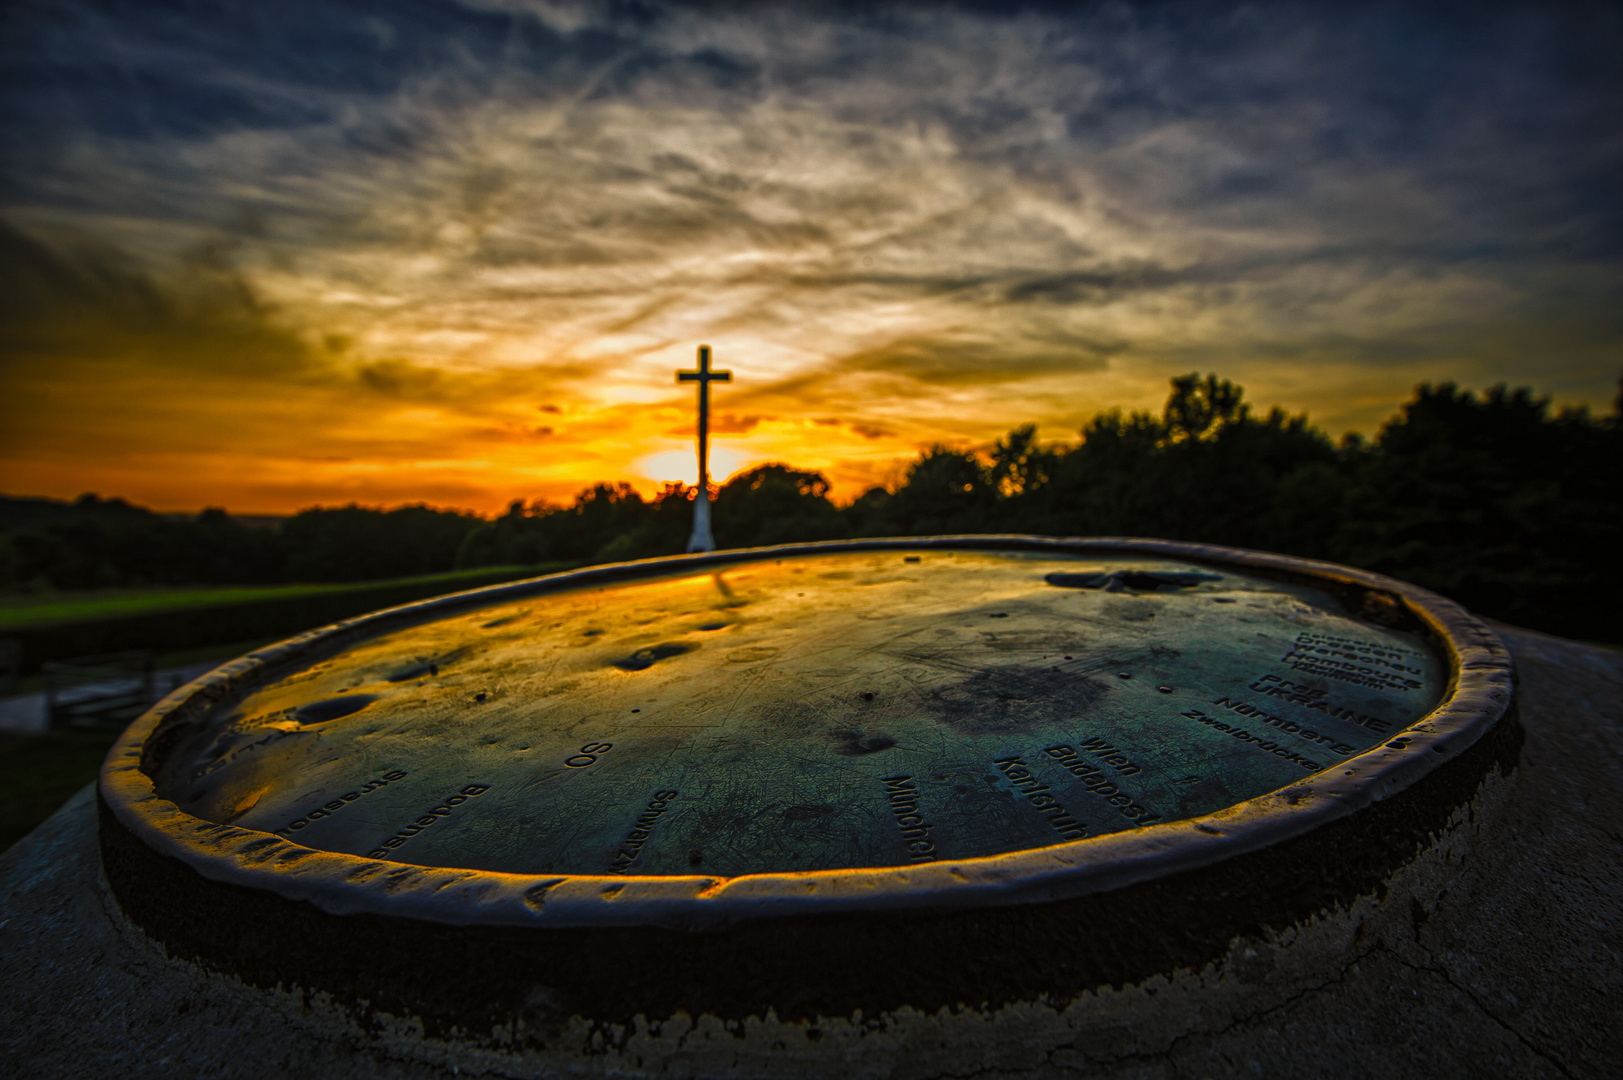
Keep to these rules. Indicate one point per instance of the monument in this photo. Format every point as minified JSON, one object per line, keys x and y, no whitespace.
{"x":702,"y":540}
{"x":780,"y":786}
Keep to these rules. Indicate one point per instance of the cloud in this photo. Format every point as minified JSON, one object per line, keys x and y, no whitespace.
{"x":391,"y":236}
{"x":60,"y":299}
{"x":723,"y":424}
{"x":947,"y":359}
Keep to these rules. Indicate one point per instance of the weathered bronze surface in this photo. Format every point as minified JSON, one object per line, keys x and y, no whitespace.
{"x":822,"y":711}
{"x":801,"y":782}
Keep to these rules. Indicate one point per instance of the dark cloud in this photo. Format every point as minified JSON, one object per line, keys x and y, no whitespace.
{"x":82,"y":296}
{"x":946,"y":360}
{"x":722,"y":424}
{"x":733,"y":424}
{"x":1094,"y":285}
{"x":445,"y":212}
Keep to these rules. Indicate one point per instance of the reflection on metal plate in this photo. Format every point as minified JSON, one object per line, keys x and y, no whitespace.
{"x":821,"y":711}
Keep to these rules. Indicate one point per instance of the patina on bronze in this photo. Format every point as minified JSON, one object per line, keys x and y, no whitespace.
{"x":805,"y":779}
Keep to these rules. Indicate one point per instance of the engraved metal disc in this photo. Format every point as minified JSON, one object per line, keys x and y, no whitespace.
{"x":696,"y":740}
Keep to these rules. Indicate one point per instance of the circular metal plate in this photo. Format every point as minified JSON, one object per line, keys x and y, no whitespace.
{"x":695,"y":741}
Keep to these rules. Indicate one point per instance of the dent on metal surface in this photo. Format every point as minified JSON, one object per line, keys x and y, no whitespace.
{"x":699,"y":740}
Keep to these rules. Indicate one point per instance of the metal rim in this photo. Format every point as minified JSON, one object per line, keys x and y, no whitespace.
{"x":1480,"y":688}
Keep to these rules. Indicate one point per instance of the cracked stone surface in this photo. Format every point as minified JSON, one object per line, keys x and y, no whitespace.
{"x":1514,"y":971}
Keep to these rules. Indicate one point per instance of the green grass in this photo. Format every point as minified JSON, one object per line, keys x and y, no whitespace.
{"x":21,"y":611}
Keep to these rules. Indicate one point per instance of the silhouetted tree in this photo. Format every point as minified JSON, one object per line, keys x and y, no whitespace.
{"x":354,"y":543}
{"x":516,"y":538}
{"x":946,"y":491}
{"x":600,"y":514}
{"x":1496,"y":503}
{"x":1491,"y":500}
{"x":776,"y":504}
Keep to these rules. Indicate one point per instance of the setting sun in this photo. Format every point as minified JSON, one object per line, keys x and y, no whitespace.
{"x":471,"y":280}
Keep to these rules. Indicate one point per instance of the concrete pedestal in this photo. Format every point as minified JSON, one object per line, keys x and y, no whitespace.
{"x":1512,"y":967}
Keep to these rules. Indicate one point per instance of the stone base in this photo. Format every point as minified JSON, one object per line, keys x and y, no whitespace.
{"x":1493,"y":949}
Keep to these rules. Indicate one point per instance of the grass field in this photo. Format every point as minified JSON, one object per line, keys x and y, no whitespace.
{"x":18,"y":611}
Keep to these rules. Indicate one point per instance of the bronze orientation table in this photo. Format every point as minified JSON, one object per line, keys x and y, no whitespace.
{"x":795,"y":786}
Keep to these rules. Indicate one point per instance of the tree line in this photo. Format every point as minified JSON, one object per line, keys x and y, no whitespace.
{"x":95,"y":543}
{"x":1494,"y":500}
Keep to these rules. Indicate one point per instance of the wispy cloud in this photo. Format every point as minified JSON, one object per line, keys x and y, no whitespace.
{"x":413,"y":226}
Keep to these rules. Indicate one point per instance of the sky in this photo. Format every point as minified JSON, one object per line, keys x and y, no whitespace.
{"x":265,"y":256}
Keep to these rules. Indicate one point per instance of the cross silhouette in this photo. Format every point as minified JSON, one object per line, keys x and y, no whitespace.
{"x":701,"y":540}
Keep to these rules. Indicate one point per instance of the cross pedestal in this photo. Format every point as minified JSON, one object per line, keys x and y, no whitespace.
{"x":701,"y":540}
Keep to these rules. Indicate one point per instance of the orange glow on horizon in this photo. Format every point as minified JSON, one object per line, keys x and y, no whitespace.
{"x":283,"y":289}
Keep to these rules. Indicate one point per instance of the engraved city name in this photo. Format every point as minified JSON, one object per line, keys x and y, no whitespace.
{"x":339,"y":803}
{"x":432,"y":816}
{"x":641,"y":829}
{"x":1111,"y":756}
{"x":1380,"y":667}
{"x":1258,"y":741}
{"x":903,"y":795}
{"x":1019,"y":774}
{"x":1290,"y":727}
{"x":1095,"y":780}
{"x":1309,"y":698}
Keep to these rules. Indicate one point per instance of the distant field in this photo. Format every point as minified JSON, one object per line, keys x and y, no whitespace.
{"x":19,"y":612}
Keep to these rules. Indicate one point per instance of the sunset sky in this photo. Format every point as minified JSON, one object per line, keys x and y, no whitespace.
{"x":266,"y":255}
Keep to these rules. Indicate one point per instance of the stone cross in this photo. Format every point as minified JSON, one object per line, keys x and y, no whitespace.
{"x":701,"y":540}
